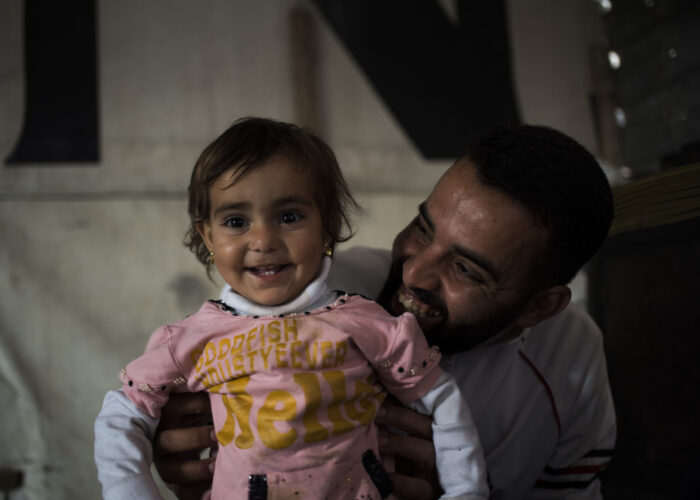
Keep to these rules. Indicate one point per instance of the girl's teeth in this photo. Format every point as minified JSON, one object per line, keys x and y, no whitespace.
{"x":266,"y":271}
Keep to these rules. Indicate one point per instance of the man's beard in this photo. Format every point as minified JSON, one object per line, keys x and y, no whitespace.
{"x":454,"y":338}
{"x":450,"y":338}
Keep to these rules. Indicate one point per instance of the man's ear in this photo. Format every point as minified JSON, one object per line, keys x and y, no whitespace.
{"x":544,"y":304}
{"x":204,"y":230}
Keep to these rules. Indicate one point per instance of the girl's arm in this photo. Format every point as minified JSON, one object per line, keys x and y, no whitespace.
{"x":126,"y":425}
{"x":458,"y":455}
{"x":123,"y":454}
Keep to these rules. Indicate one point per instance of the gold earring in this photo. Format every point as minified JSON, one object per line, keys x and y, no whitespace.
{"x":327,"y":250}
{"x":211,"y":256}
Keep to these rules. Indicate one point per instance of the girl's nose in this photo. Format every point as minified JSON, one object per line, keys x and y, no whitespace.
{"x":264,"y":238}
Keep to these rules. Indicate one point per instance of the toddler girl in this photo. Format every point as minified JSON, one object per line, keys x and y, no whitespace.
{"x":295,"y":372}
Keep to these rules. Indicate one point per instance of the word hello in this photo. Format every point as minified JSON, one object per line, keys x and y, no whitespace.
{"x":281,"y":406}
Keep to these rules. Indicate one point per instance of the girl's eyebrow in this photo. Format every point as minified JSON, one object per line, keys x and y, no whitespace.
{"x":246,"y":205}
{"x":232,"y":206}
{"x":290,"y":200}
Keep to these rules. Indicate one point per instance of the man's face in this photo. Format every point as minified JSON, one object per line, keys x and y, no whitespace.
{"x":463,"y":265}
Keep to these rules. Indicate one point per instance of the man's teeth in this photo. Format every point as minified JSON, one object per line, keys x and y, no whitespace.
{"x":420,"y":310}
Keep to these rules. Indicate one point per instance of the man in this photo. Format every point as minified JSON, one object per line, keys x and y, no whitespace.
{"x":484,"y":267}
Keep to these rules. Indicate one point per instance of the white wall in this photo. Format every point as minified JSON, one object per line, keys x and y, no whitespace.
{"x":92,"y":255}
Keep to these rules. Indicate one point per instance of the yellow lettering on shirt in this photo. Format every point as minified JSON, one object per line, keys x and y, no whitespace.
{"x":326,"y":354}
{"x":341,"y":349}
{"x":264,"y":353}
{"x":210,"y":353}
{"x":224,"y":346}
{"x":280,"y":352}
{"x":309,"y":358}
{"x":290,"y":326}
{"x":315,"y":432}
{"x":365,"y":397}
{"x":251,"y":358}
{"x":214,"y":378}
{"x":237,"y":347}
{"x":224,"y":365}
{"x":238,"y":404}
{"x":336,"y":379}
{"x":251,"y":336}
{"x":238,"y":363}
{"x":296,"y":357}
{"x":279,"y":406}
{"x":273,"y":329}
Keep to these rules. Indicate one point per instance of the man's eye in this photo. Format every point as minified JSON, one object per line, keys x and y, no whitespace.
{"x":290,"y":218}
{"x":235,"y":222}
{"x":421,"y":228}
{"x":466,"y":272}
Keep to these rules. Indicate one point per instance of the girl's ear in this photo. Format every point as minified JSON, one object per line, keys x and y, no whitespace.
{"x":204,"y":230}
{"x":543,"y":305}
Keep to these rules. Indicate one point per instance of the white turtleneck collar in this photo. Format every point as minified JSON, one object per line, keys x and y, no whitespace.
{"x":314,"y":296}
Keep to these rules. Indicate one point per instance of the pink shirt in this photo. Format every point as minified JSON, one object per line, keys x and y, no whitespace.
{"x":293,"y":397}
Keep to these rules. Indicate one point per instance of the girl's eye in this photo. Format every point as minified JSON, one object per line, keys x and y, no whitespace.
{"x":290,"y":218}
{"x":234,"y":222}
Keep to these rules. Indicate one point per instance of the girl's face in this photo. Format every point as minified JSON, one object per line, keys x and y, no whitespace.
{"x":265,"y":231}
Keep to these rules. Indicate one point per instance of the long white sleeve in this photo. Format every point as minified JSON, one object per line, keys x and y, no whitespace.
{"x":460,"y":460}
{"x":123,"y":451}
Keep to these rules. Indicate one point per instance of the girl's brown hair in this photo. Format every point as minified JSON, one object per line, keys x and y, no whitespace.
{"x":250,"y":142}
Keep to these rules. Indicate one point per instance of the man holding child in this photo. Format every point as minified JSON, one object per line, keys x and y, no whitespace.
{"x":484,"y":267}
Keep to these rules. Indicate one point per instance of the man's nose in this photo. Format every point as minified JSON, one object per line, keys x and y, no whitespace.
{"x":421,"y":270}
{"x":264,"y":237}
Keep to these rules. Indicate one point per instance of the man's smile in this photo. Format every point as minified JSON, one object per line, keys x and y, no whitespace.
{"x":413,"y":305}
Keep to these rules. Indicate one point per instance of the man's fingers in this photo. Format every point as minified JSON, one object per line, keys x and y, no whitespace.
{"x":412,"y":488}
{"x":186,"y":472}
{"x":406,"y":420}
{"x":415,"y":449}
{"x":183,"y":406}
{"x":184,"y":439}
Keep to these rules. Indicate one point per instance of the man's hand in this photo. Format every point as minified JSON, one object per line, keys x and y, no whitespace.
{"x":185,"y":431}
{"x":416,"y":476}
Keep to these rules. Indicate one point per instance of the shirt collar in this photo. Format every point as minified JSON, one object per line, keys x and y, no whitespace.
{"x":315,"y":295}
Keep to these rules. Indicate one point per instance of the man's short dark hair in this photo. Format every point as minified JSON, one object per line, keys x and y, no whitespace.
{"x":559,"y":182}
